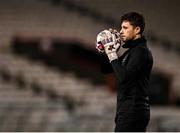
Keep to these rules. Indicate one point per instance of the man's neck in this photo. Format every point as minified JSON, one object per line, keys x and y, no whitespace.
{"x":137,"y":36}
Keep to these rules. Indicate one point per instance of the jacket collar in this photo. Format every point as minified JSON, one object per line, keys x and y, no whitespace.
{"x":133,"y":43}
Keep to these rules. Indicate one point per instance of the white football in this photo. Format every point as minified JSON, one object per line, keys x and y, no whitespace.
{"x":102,"y":35}
{"x":101,"y":39}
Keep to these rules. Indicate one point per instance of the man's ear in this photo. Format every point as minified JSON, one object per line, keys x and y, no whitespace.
{"x":137,"y":30}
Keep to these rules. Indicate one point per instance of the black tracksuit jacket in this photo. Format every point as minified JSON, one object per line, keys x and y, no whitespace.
{"x":132,"y":71}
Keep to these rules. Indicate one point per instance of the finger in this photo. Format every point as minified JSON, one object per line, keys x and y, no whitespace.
{"x":118,"y":45}
{"x":111,"y":30}
{"x":113,"y":38}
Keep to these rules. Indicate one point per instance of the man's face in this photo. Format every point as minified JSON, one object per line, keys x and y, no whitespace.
{"x":128,"y":32}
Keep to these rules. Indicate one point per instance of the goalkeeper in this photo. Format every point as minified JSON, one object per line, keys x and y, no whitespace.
{"x":132,"y":70}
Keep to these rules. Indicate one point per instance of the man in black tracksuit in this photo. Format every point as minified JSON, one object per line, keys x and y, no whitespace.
{"x":132,"y":70}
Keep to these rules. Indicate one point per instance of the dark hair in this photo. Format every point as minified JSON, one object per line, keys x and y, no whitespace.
{"x":136,"y":20}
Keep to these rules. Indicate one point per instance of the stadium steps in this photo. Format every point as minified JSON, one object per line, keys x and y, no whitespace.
{"x":167,"y":61}
{"x":88,"y":99}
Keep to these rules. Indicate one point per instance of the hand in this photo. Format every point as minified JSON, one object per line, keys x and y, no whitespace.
{"x":117,"y":34}
{"x":111,"y":46}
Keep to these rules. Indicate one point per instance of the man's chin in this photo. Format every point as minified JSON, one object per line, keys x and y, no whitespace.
{"x":123,"y":39}
{"x":126,"y":40}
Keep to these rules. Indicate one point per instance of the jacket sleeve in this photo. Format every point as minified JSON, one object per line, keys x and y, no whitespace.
{"x":105,"y":65}
{"x":135,"y":62}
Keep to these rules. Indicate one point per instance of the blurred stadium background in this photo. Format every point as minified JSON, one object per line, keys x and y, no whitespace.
{"x":49,"y":71}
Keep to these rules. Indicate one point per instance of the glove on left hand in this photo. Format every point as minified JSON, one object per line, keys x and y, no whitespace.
{"x":111,"y":46}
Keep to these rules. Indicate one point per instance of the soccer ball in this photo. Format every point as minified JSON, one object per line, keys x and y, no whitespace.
{"x":100,"y":40}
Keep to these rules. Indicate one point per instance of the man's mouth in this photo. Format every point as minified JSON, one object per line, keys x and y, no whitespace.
{"x":122,"y":36}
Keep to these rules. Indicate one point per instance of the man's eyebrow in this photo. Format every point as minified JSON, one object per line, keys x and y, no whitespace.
{"x":124,"y":26}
